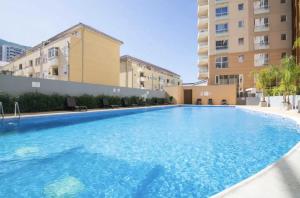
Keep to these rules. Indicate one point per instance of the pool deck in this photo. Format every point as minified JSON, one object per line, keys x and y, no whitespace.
{"x":279,"y":180}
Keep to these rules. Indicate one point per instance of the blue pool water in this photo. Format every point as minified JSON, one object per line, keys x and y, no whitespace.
{"x":169,"y":152}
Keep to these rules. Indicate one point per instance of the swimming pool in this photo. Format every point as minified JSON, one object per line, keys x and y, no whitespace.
{"x":153,"y":152}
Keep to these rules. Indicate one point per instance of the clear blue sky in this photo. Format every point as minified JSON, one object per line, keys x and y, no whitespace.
{"x":163,"y":32}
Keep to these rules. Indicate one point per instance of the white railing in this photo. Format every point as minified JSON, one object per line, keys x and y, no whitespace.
{"x":263,"y":45}
{"x":261,"y":9}
{"x":263,"y":27}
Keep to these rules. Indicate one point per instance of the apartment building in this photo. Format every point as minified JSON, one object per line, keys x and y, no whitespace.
{"x":80,"y":54}
{"x":136,"y":73}
{"x":9,"y":52}
{"x":296,"y":26}
{"x":238,"y":37}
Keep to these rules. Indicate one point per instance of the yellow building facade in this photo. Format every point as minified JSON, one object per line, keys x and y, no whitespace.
{"x":136,"y":73}
{"x":79,"y":54}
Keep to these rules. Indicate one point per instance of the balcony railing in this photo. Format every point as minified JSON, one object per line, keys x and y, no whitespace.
{"x":261,"y":9}
{"x":263,"y":45}
{"x":203,"y":44}
{"x":262,"y":62}
{"x":225,"y":47}
{"x":203,"y":2}
{"x":261,"y":28}
{"x":203,"y":32}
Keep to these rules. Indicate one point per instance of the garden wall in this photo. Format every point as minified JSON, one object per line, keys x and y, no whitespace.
{"x":15,"y":86}
{"x":274,"y":101}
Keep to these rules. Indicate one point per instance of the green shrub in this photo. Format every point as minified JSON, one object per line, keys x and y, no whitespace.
{"x":114,"y":100}
{"x":8,"y":103}
{"x":56,"y":102}
{"x":33,"y":102}
{"x":87,"y":100}
{"x":37,"y":102}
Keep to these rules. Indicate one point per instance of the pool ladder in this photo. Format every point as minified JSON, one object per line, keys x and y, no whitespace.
{"x":17,"y":110}
{"x":1,"y":110}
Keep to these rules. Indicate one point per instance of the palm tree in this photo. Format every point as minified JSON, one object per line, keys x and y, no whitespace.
{"x":290,"y":74}
{"x":263,"y":81}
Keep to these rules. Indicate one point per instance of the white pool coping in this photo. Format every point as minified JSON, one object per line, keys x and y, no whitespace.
{"x":280,"y":179}
{"x":42,"y":114}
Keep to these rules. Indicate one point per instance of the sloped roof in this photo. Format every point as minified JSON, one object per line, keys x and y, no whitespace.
{"x":127,"y":57}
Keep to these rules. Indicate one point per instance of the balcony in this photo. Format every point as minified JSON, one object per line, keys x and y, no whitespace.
{"x":203,"y":47}
{"x":203,"y":22}
{"x":203,"y":2}
{"x":262,"y":45}
{"x":203,"y":61}
{"x":203,"y":73}
{"x":261,"y":9}
{"x":203,"y":32}
{"x":261,"y":62}
{"x":203,"y":8}
{"x":261,"y":28}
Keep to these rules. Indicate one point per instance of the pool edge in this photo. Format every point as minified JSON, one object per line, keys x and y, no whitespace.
{"x":229,"y":192}
{"x":45,"y":114}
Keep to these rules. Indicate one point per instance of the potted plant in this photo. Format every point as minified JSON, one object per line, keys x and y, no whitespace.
{"x":263,"y":82}
{"x":290,"y":74}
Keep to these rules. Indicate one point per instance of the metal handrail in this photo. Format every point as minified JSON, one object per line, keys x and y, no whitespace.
{"x":1,"y":110}
{"x":17,"y":110}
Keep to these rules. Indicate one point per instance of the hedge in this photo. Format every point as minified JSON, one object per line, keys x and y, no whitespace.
{"x":37,"y":102}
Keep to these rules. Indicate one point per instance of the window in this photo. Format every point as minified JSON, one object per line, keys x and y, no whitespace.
{"x":220,"y":12}
{"x":31,"y":63}
{"x":221,"y":28}
{"x":241,"y":58}
{"x":53,"y":52}
{"x":20,"y":66}
{"x":222,"y":62}
{"x":282,"y":1}
{"x":221,"y":45}
{"x":241,"y":6}
{"x":241,"y":41}
{"x":283,"y":54}
{"x":261,"y":41}
{"x":283,"y":18}
{"x":241,"y":24}
{"x":261,"y":59}
{"x":261,"y":23}
{"x":37,"y":61}
{"x":283,"y":37}
{"x":55,"y":71}
{"x":261,"y":4}
{"x":227,"y":79}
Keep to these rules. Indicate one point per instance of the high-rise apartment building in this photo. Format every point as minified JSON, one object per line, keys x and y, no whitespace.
{"x":136,"y":73}
{"x":238,"y":37}
{"x":79,"y":54}
{"x":9,"y":52}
